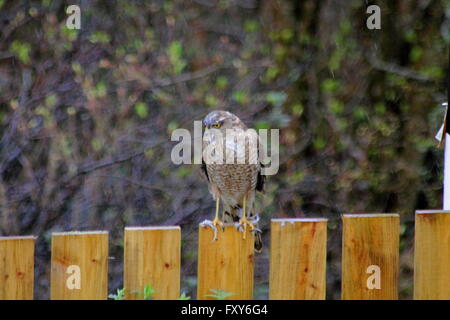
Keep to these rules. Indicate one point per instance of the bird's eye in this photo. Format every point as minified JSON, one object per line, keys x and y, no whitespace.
{"x":216,"y":125}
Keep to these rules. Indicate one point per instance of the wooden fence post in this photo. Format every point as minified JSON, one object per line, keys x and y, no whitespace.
{"x":16,"y":268}
{"x":79,"y":266}
{"x":298,"y":250}
{"x":225,"y":264}
{"x":152,"y":257}
{"x":432,"y":255}
{"x":370,"y":256}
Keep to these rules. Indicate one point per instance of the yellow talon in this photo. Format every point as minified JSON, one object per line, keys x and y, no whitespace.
{"x":216,"y":222}
{"x":244,"y":221}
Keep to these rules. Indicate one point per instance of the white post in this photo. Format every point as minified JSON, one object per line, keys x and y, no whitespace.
{"x":447,"y":172}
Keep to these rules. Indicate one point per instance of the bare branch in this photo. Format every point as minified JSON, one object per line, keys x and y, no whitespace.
{"x":393,"y":68}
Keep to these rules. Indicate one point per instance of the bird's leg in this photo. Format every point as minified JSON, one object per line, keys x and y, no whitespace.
{"x":216,"y":222}
{"x":244,"y":221}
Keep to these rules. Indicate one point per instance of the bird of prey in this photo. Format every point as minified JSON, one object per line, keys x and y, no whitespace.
{"x":233,"y":183}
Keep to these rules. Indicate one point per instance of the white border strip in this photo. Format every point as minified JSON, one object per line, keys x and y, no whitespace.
{"x":154,"y":228}
{"x":369,"y":215}
{"x":432,"y":211}
{"x":293,"y":220}
{"x":17,"y":237}
{"x":77,"y":233}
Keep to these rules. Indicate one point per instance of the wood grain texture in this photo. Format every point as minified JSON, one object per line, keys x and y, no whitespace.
{"x":432,"y":255}
{"x":225,"y":264}
{"x":16,"y":268}
{"x":89,"y":251}
{"x":370,"y":239}
{"x":298,"y":250}
{"x":152,"y":257}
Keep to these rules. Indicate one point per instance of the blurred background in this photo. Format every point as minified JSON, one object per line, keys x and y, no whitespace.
{"x":86,"y":115}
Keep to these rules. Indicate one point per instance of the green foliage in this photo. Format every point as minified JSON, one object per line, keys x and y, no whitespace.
{"x":319,"y":143}
{"x":251,"y":26}
{"x":297,"y":109}
{"x":330,"y":85}
{"x":100,"y":90}
{"x":119,"y":295}
{"x":147,"y":293}
{"x":262,"y":125}
{"x":70,"y":34}
{"x":184,"y":296}
{"x":21,"y":50}
{"x":172,"y":125}
{"x":271,"y":73}
{"x":221,"y":82}
{"x":287,"y":34}
{"x":415,"y":54}
{"x":336,"y":106}
{"x":276,"y":98}
{"x":175,"y":53}
{"x":219,"y":294}
{"x":433,"y":71}
{"x":50,"y":100}
{"x":240,"y":97}
{"x":211,"y":101}
{"x":183,"y":172}
{"x":100,"y":37}
{"x":141,"y":110}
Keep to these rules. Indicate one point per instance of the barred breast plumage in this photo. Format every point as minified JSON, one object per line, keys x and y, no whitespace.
{"x":231,"y":182}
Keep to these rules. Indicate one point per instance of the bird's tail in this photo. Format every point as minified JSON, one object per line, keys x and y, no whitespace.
{"x":233,"y":214}
{"x":255,"y":218}
{"x":230,"y":213}
{"x":258,"y":242}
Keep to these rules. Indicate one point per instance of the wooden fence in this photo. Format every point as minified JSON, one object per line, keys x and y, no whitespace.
{"x":370,"y":260}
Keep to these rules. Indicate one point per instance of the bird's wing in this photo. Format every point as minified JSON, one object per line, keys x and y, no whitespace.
{"x":261,"y":179}
{"x":204,"y":170}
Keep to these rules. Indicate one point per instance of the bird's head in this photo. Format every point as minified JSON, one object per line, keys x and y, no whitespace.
{"x":222,"y":120}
